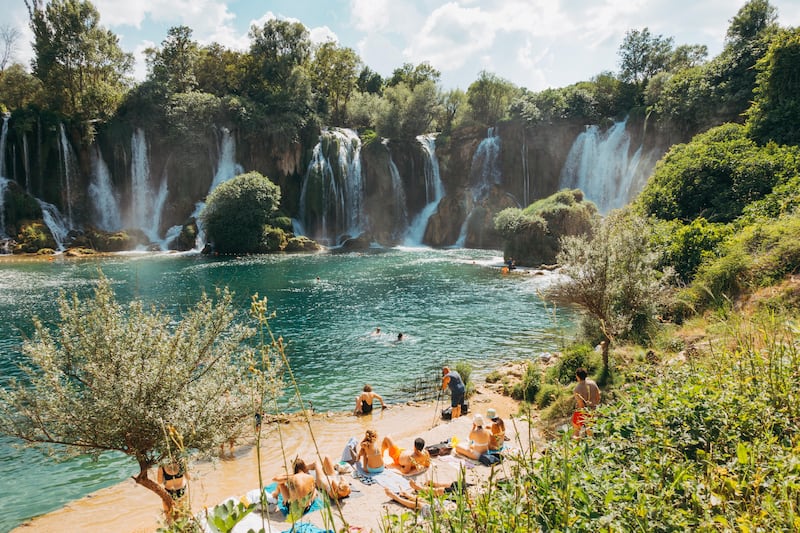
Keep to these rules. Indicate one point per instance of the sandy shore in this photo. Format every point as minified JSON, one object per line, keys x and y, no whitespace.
{"x":128,"y":507}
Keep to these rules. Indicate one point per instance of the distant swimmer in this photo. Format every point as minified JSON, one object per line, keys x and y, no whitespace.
{"x":399,"y":337}
{"x":377,"y":331}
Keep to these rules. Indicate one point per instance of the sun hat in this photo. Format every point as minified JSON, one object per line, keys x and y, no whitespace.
{"x":478,"y":420}
{"x":491,"y":414}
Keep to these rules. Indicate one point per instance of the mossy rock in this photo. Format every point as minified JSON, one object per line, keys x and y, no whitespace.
{"x":302,"y":244}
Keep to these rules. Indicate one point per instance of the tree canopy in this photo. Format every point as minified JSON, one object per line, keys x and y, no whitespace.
{"x":132,"y":380}
{"x":239,"y":214}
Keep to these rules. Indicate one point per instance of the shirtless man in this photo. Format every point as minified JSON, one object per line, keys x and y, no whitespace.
{"x":479,"y":439}
{"x":299,"y":487}
{"x":328,"y":480}
{"x":587,"y":398}
{"x":408,"y":462}
{"x":365,"y":399}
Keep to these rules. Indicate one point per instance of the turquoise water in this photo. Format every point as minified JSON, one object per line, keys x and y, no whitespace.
{"x":450,"y":305}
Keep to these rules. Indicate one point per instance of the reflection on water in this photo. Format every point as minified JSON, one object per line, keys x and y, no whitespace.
{"x":450,"y":305}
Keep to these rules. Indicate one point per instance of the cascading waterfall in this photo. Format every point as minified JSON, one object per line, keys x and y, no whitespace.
{"x":3,"y":188}
{"x":68,"y":162}
{"x":54,"y":222}
{"x":227,"y":168}
{"x":485,"y":170}
{"x":26,"y":165}
{"x":147,"y":202}
{"x":101,"y":193}
{"x":599,"y":164}
{"x":434,"y":191}
{"x":332,"y":196}
{"x":3,"y":138}
{"x":401,"y":212}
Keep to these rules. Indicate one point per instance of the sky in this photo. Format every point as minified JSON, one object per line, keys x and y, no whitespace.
{"x":534,"y":44}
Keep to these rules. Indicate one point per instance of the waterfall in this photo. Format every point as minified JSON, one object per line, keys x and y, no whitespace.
{"x":146,"y":201}
{"x":599,"y":164}
{"x":101,"y":193}
{"x":68,"y":161}
{"x":399,"y":195}
{"x":227,"y":168}
{"x":526,"y":178}
{"x":3,"y":138}
{"x":26,"y":165}
{"x":485,"y":170}
{"x":3,"y":187}
{"x":55,"y":222}
{"x":332,"y":195}
{"x":434,"y":191}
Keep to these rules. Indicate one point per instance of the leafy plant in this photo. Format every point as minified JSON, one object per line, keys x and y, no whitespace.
{"x":229,"y":513}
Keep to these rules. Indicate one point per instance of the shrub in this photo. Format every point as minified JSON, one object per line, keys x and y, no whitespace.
{"x":574,"y":357}
{"x":548,"y":393}
{"x":464,"y":369}
{"x":529,"y":386}
{"x":238,"y":213}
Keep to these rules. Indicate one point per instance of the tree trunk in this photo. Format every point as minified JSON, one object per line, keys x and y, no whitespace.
{"x":604,"y":346}
{"x":148,"y":483}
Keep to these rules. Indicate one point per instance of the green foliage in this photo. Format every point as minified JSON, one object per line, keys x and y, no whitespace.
{"x":405,"y":112}
{"x":334,"y":74}
{"x":174,"y":64}
{"x":80,"y":63}
{"x":411,"y":75}
{"x":34,"y":236}
{"x":531,"y":236}
{"x":775,"y":112}
{"x":688,"y":245}
{"x":19,"y":89}
{"x":574,"y":357}
{"x":121,"y":378}
{"x":715,"y":176}
{"x":613,"y":277}
{"x":548,"y":393}
{"x":643,"y":55}
{"x":528,"y":388}
{"x":464,"y":370}
{"x":226,"y":515}
{"x":238,"y":214}
{"x":489,"y":98}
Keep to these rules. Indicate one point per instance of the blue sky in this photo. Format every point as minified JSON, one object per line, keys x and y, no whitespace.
{"x":532,"y":43}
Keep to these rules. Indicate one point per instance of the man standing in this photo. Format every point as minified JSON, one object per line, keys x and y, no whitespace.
{"x":587,"y":397}
{"x":452,"y":380}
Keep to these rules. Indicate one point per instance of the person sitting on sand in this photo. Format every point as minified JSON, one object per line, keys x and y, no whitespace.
{"x":408,"y":462}
{"x":498,"y":430}
{"x":370,"y":454}
{"x":298,"y":487}
{"x":479,"y":439}
{"x":365,"y":400}
{"x":327,"y":479}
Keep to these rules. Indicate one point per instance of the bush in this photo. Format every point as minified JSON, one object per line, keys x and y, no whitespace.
{"x":528,"y":388}
{"x":239,"y":212}
{"x":548,"y":393}
{"x":464,"y":369}
{"x":574,"y":357}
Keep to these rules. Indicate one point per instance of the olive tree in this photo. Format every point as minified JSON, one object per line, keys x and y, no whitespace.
{"x":124,"y":378}
{"x":612,"y":276}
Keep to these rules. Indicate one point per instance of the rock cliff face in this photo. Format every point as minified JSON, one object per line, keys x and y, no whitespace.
{"x":52,"y":163}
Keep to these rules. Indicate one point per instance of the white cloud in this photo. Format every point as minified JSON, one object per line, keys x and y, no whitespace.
{"x":371,"y":16}
{"x":322,"y":34}
{"x":139,"y":63}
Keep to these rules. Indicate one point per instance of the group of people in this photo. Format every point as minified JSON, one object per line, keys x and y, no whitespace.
{"x":371,"y":455}
{"x":485,"y":437}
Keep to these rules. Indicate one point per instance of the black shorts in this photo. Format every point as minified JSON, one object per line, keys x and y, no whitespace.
{"x":457,"y":399}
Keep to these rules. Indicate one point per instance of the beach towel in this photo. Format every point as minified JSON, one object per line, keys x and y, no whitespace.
{"x":388,"y":479}
{"x":284,"y":509}
{"x":457,"y":461}
{"x":305,"y":527}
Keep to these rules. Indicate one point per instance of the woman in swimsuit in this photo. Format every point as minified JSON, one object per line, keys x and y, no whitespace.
{"x":365,"y":399}
{"x":479,"y":439}
{"x":173,"y":476}
{"x":298,"y":488}
{"x":371,"y":453}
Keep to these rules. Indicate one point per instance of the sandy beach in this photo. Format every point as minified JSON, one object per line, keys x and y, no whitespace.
{"x":127,"y":507}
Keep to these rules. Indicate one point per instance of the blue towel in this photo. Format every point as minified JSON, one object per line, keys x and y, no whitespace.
{"x":284,"y":509}
{"x":305,"y":527}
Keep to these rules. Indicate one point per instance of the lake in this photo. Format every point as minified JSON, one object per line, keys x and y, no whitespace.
{"x":451,"y":305}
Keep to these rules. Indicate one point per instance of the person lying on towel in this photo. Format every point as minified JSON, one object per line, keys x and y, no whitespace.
{"x":408,"y":462}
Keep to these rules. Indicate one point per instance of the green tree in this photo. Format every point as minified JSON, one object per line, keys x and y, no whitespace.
{"x":18,"y":88}
{"x":775,"y":113}
{"x":370,"y":81}
{"x":454,"y":104}
{"x":490,"y":97}
{"x":220,"y":71}
{"x":334,"y":74}
{"x":412,"y":76}
{"x":239,"y":214}
{"x":174,"y":64}
{"x":130,"y":380}
{"x":406,"y":113}
{"x":81,"y":64}
{"x":612,"y":276}
{"x":643,"y":55}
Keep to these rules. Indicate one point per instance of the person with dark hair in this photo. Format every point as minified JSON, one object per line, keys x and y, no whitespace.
{"x":365,"y":399}
{"x":452,"y":380}
{"x":587,"y":398}
{"x":498,"y":430}
{"x":408,"y":462}
{"x":299,"y":486}
{"x":173,"y":476}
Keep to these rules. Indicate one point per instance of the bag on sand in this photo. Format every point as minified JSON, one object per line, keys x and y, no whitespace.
{"x":436,"y":450}
{"x":490,"y":459}
{"x":447,"y":414}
